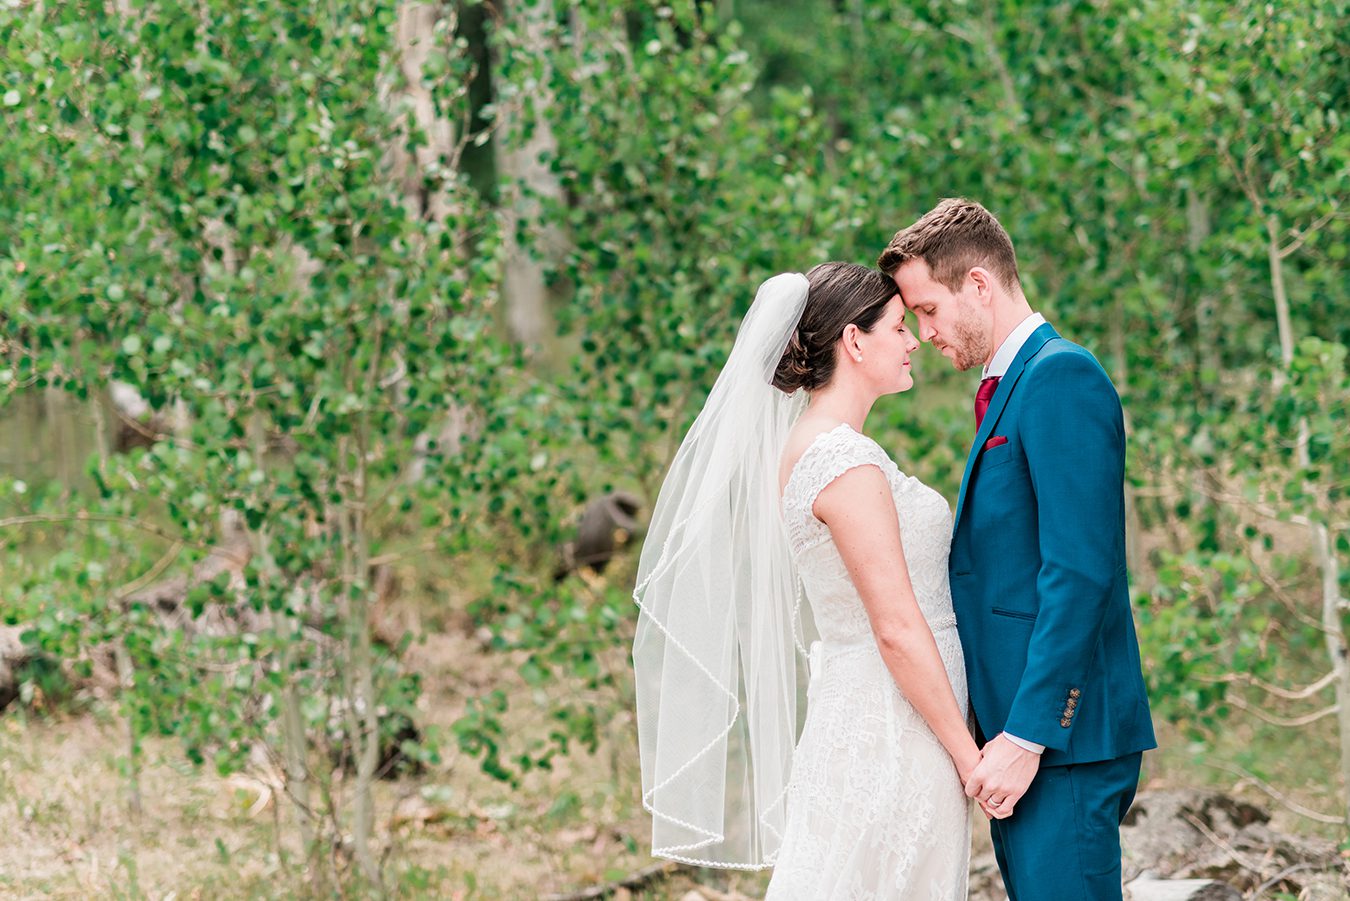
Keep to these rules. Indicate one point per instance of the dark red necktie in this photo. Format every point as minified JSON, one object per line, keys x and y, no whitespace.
{"x":983,"y":396}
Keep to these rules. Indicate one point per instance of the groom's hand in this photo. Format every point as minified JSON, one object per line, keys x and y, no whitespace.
{"x":1002,"y":776}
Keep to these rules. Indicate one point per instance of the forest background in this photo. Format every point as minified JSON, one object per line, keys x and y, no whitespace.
{"x":322,"y":327}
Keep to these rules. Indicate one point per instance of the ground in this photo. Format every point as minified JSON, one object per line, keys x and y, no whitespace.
{"x":456,"y":833}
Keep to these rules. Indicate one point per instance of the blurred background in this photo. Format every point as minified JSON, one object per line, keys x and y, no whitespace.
{"x":343,"y":347}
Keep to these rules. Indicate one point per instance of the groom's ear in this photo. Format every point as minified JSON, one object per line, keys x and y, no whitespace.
{"x":984,"y":283}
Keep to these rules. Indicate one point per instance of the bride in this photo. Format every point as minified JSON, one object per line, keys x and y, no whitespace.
{"x":776,"y":491}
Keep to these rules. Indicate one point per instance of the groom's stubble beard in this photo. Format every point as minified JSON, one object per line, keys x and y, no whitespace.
{"x":970,"y":343}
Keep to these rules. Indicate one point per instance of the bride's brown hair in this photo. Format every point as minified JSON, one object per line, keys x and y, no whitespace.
{"x":840,"y":294}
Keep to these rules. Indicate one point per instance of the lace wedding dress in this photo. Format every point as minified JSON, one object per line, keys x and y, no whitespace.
{"x":874,"y":807}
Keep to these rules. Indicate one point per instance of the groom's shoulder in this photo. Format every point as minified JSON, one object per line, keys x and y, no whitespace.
{"x":1060,"y":358}
{"x":1059,"y":351}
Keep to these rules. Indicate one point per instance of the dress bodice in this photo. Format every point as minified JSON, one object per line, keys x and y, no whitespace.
{"x":925,"y":530}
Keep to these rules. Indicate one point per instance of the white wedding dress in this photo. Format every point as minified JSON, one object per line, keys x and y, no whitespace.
{"x":874,"y":806}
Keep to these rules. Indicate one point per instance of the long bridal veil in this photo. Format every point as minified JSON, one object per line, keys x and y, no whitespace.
{"x":719,"y":650}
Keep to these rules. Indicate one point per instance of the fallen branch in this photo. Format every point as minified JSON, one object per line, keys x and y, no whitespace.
{"x":1291,"y":694}
{"x":1283,"y":722}
{"x":1291,"y":805}
{"x":1280,"y":876}
{"x":1237,"y":856}
{"x":663,"y":870}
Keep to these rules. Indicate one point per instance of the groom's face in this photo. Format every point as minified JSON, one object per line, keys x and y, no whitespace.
{"x":954,"y":322}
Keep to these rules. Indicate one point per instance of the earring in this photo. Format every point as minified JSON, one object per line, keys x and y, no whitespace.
{"x":858,"y":358}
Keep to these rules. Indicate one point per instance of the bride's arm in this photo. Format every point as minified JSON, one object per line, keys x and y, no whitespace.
{"x":860,"y":513}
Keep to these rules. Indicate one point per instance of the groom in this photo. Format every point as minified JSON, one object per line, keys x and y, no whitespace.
{"x":1037,"y":564}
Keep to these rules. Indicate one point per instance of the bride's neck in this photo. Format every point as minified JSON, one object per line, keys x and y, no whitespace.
{"x":842,"y":402}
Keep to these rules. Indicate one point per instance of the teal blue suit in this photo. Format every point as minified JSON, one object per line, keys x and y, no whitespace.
{"x":1042,"y":603}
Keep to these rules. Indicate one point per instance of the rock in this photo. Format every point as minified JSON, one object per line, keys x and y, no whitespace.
{"x":607,"y":524}
{"x":13,"y":654}
{"x":1159,"y":833}
{"x":1324,"y":887}
{"x":1195,"y":845}
{"x":1150,"y":888}
{"x":1205,"y":836}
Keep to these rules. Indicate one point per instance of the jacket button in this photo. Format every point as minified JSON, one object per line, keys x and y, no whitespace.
{"x":1071,"y":703}
{"x":1075,"y":693}
{"x":1065,"y":722}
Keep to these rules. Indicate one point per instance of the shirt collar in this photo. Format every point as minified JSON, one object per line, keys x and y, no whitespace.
{"x":1007,"y":351}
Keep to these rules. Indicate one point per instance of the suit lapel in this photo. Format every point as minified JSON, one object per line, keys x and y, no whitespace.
{"x":1006,"y":385}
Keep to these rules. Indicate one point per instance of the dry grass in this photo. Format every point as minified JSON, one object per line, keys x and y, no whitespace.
{"x":457,"y":833}
{"x":71,"y":834}
{"x":454,"y":832}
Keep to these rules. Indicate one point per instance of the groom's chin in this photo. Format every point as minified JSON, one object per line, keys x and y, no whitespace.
{"x":954,"y":358}
{"x":960,"y":362}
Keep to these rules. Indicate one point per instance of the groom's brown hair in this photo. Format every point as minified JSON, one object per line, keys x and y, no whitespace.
{"x":951,"y":238}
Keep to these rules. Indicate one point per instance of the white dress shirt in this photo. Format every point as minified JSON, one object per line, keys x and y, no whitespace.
{"x":1007,"y":351}
{"x":998,"y":366}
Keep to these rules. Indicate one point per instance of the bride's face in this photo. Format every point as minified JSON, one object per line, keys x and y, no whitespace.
{"x":886,"y":351}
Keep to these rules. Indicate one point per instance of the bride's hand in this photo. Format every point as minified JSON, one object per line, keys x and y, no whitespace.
{"x":966,"y":761}
{"x":965,"y":768}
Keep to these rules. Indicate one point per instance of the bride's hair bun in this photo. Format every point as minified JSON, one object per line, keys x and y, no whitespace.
{"x":840,"y":294}
{"x":794,"y":369}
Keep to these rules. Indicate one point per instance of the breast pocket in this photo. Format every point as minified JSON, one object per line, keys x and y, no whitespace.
{"x":993,"y":457}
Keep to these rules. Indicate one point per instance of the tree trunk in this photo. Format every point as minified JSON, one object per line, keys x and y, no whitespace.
{"x":126,"y":671}
{"x":294,"y":745}
{"x":294,"y":736}
{"x":362,"y":702}
{"x":1336,"y":647}
{"x":59,"y":417}
{"x":526,"y":143}
{"x":1338,"y":651}
{"x":1282,"y":321}
{"x":423,"y":174}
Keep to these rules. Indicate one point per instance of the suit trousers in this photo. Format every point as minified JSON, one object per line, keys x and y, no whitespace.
{"x":1062,"y":842}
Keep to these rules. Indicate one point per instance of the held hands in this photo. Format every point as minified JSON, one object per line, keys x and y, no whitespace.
{"x":966,"y":760}
{"x":1001,"y":777}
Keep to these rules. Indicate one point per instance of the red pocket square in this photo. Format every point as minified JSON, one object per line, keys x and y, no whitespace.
{"x":995,"y":441}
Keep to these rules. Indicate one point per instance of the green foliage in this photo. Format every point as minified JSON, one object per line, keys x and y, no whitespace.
{"x":234,"y":245}
{"x":213,"y":207}
{"x":1214,"y":613}
{"x":1138,"y":166}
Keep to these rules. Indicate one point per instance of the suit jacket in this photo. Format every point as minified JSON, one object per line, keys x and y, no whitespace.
{"x":1038,"y":562}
